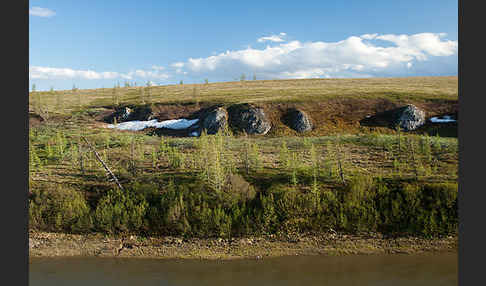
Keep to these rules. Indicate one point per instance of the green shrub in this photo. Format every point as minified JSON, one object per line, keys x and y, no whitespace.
{"x":428,"y":209}
{"x":359,"y":188}
{"x":266,"y":217}
{"x":439,"y":206}
{"x":120,"y":211}
{"x":191,"y":207}
{"x":176,"y":158}
{"x":180,"y":211}
{"x":328,"y":215}
{"x":284,"y":158}
{"x":59,"y":209}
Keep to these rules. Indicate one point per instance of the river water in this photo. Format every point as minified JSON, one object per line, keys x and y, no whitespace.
{"x":396,"y":270}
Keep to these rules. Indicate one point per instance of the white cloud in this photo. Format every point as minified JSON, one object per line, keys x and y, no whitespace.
{"x":155,"y":67}
{"x":273,"y":38}
{"x":147,"y":74}
{"x":38,"y":72}
{"x":41,"y":12}
{"x":177,"y":65}
{"x":357,"y":56}
{"x":422,"y":44}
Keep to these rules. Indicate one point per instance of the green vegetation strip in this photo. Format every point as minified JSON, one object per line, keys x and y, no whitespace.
{"x":201,"y":187}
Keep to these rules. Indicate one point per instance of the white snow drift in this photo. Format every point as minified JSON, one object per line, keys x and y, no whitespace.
{"x":137,"y":125}
{"x":443,"y":119}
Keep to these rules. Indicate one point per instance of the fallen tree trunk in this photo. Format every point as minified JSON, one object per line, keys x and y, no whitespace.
{"x":104,"y":165}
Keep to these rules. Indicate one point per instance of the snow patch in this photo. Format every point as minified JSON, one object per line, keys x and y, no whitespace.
{"x":176,"y":123}
{"x":442,"y":119}
{"x":137,"y":125}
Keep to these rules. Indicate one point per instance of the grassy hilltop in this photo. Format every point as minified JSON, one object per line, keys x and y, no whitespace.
{"x":341,"y":176}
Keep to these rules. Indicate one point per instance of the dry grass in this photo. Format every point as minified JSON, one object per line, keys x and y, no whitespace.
{"x":421,"y":89}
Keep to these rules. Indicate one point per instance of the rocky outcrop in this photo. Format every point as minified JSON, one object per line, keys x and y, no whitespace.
{"x":141,"y":113}
{"x":215,"y":120}
{"x":124,"y":114}
{"x":410,"y":117}
{"x":249,"y":119}
{"x":129,"y":113}
{"x":298,"y":120}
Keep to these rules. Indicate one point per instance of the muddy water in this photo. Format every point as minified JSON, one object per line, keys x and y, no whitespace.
{"x":431,"y":269}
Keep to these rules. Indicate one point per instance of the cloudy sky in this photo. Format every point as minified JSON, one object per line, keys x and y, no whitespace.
{"x":94,"y":44}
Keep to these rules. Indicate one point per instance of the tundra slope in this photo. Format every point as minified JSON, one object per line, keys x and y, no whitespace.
{"x":177,"y":186}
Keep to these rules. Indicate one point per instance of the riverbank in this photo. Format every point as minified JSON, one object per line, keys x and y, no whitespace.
{"x":44,"y":244}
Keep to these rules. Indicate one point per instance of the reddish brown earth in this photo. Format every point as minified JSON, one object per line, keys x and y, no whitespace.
{"x":335,"y":115}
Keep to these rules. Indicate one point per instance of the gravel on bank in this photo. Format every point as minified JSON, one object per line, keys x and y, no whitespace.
{"x":44,"y":244}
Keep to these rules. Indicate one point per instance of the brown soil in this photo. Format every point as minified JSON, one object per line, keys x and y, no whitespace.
{"x":103,"y":113}
{"x":35,"y":120}
{"x":328,"y":117}
{"x":43,"y":244}
{"x":189,"y":111}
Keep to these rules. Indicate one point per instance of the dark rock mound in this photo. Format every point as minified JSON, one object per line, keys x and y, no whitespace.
{"x":130,"y":113}
{"x":248,"y":118}
{"x":214,"y":120}
{"x":297,"y":120}
{"x":121,"y":114}
{"x":408,"y":117}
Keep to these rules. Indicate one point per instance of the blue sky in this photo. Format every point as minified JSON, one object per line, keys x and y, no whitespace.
{"x":94,"y":44}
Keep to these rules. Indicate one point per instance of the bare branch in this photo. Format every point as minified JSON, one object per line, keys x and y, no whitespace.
{"x":104,"y":165}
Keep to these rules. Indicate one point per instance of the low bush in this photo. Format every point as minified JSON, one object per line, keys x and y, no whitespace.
{"x":59,"y":209}
{"x":194,"y":209}
{"x":119,"y":211}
